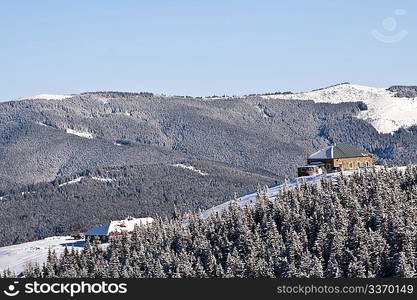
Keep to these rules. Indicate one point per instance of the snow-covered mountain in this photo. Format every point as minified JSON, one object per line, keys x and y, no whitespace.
{"x":386,"y":111}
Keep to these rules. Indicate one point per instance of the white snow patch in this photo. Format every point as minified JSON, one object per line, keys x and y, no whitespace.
{"x":16,"y":257}
{"x":102,"y":179}
{"x":83,"y":134}
{"x":47,"y":97}
{"x":386,"y":112}
{"x":76,"y":180}
{"x":125,"y":113}
{"x":79,"y":179}
{"x":42,"y":124}
{"x":191,"y":168}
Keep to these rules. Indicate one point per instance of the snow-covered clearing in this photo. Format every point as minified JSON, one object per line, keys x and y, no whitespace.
{"x":191,"y":168}
{"x":43,"y":124}
{"x":79,"y":179}
{"x":386,"y":112}
{"x":83,"y":134}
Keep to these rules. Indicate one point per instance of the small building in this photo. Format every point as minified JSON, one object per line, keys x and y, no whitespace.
{"x":336,"y":158}
{"x":314,"y":168}
{"x":103,"y":232}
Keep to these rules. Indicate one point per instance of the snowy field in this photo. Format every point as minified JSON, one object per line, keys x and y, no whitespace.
{"x":386,"y":112}
{"x":16,"y":257}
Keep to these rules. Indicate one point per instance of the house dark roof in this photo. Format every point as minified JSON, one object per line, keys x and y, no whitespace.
{"x":338,"y":151}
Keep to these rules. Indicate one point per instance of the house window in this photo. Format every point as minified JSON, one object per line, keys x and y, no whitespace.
{"x":351,"y":165}
{"x":367,"y":163}
{"x":358,"y":163}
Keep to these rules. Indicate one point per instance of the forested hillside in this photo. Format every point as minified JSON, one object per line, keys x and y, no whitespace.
{"x":138,"y":137}
{"x":43,"y":139}
{"x":359,"y":226}
{"x":74,"y":204}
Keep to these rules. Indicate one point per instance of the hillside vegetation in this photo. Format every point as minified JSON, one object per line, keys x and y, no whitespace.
{"x":359,"y":226}
{"x":138,"y":137}
{"x":74,"y":204}
{"x":43,"y":139}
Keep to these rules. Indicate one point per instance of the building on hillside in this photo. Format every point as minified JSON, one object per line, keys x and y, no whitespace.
{"x":103,"y":232}
{"x":336,"y":158}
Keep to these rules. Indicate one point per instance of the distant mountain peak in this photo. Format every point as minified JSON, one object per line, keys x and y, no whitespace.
{"x":388,"y":109}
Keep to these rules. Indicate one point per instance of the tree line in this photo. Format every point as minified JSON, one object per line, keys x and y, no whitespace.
{"x":364,"y":225}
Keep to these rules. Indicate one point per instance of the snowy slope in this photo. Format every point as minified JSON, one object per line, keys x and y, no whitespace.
{"x":386,"y":112}
{"x":16,"y":257}
{"x":273,"y":190}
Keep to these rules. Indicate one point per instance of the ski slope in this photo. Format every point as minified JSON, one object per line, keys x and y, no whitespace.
{"x":386,"y":112}
{"x":16,"y":257}
{"x":273,"y":190}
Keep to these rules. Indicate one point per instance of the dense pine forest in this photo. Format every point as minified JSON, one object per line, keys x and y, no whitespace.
{"x":364,"y":225}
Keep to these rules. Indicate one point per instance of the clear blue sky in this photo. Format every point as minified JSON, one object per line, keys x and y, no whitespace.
{"x":202,"y":47}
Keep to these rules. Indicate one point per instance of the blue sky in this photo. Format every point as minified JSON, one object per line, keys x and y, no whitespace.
{"x":202,"y":47}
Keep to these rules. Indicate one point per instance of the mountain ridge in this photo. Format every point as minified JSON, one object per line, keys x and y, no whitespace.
{"x":243,"y":141}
